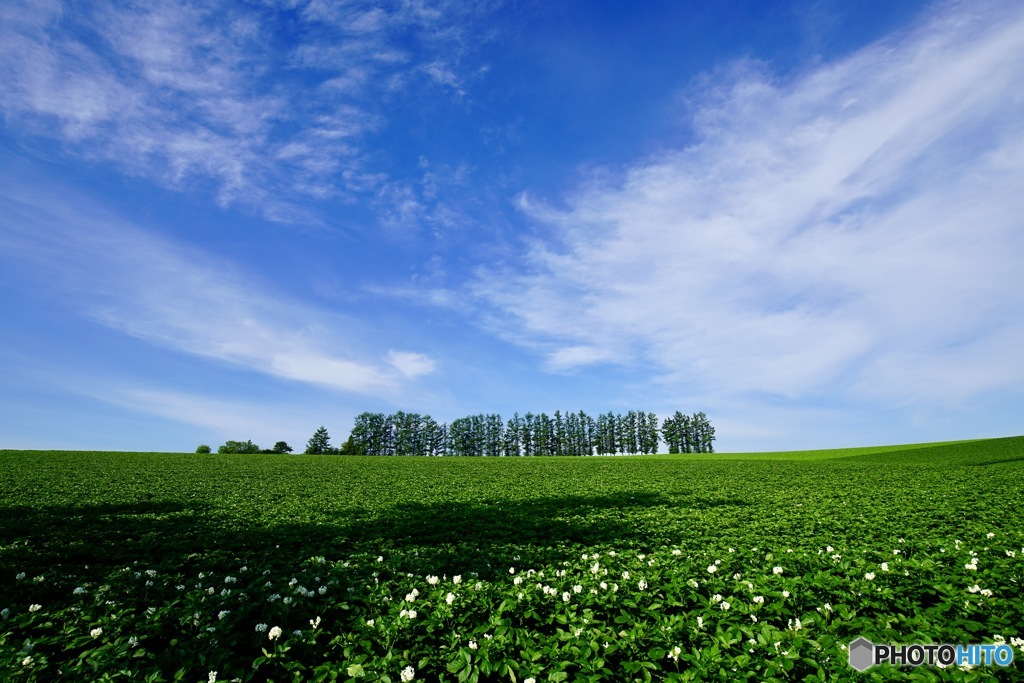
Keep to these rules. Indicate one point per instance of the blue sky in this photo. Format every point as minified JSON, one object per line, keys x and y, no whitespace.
{"x":246,"y":220}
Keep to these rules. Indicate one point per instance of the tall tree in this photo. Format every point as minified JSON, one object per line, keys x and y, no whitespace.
{"x":513,"y":433}
{"x":319,"y":443}
{"x":526,"y":438}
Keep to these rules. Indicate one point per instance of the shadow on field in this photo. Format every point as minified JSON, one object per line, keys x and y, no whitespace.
{"x":583,"y":520}
{"x":445,"y":536}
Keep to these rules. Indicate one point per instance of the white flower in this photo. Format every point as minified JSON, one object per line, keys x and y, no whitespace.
{"x":133,"y":641}
{"x":677,"y":552}
{"x":776,"y":570}
{"x":275,"y":633}
{"x":530,"y":680}
{"x":604,"y":586}
{"x":990,"y":535}
{"x":34,"y":608}
{"x":829,"y":549}
{"x":222,"y":614}
{"x":869,"y":576}
{"x":96,"y":632}
{"x":700,"y":622}
{"x":785,"y":594}
{"x":753,"y":618}
{"x":5,"y":612}
{"x":1011,"y":553}
{"x":370,"y":622}
{"x":693,"y":584}
{"x":724,"y":605}
{"x":759,"y":599}
{"x":457,"y":579}
{"x":974,"y":589}
{"x":566,"y":597}
{"x":577,"y":589}
{"x":315,"y":623}
{"x":408,"y":673}
{"x":261,"y":628}
{"x":595,"y":568}
{"x":986,"y":592}
{"x":20,"y":576}
{"x":472,"y":644}
{"x":972,"y":565}
{"x":78,"y":591}
{"x":625,"y":576}
{"x":712,"y":569}
{"x":450,"y":598}
{"x":410,"y":597}
{"x":827,"y":607}
{"x":717,"y":597}
{"x":212,"y":678}
{"x":518,"y":580}
{"x":432,"y":580}
{"x":674,"y":653}
{"x":380,"y":558}
{"x":884,"y":566}
{"x":642,"y":585}
{"x":27,"y":661}
{"x":737,"y":576}
{"x":1017,"y":643}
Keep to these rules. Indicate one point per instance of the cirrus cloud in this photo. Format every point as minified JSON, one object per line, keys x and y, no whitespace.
{"x":854,"y":229}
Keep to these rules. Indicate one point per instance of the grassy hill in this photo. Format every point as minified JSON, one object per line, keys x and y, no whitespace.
{"x":178,"y":559}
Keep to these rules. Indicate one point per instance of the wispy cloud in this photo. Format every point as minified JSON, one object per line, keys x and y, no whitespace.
{"x":183,"y":299}
{"x":185,"y":94}
{"x":264,"y":422}
{"x":410,"y":364}
{"x":856,"y":227}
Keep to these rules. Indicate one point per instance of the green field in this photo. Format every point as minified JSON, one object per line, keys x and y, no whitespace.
{"x":155,"y":566}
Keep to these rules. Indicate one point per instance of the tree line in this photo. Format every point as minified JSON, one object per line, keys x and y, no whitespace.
{"x":246,"y":447}
{"x":570,"y":433}
{"x":567,"y":433}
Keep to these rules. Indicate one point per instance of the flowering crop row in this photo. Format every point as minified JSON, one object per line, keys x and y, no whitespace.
{"x":150,"y":568}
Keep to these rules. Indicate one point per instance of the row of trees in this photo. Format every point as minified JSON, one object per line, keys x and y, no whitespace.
{"x":560,"y":434}
{"x":247,"y":447}
{"x":488,"y":435}
{"x":688,"y":433}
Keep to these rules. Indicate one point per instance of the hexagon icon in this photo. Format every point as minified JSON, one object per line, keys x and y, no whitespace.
{"x":862,"y":654}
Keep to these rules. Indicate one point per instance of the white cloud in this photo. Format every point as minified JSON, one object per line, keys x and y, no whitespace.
{"x":182,"y":299}
{"x":264,"y":423}
{"x":410,"y":364}
{"x":185,"y":94}
{"x":575,"y":356}
{"x":857,"y":228}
